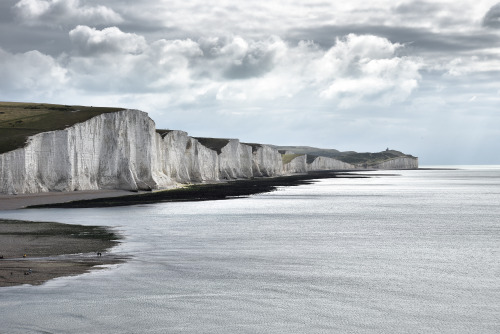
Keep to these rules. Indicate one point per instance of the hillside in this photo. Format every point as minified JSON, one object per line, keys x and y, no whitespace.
{"x":361,"y":159}
{"x":18,"y":121}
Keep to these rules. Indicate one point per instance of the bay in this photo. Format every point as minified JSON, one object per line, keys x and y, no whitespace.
{"x":400,"y":252}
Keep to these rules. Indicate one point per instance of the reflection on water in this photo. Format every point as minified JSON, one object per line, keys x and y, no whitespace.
{"x":417,"y":252}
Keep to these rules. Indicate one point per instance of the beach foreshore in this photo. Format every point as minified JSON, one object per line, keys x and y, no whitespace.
{"x":188,"y":192}
{"x":206,"y":191}
{"x":13,"y":202}
{"x":54,"y":250}
{"x":35,"y":252}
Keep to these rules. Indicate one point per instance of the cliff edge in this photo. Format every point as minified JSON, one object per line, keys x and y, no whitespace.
{"x":88,"y":148}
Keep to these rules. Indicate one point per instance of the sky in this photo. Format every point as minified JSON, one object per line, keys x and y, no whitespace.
{"x":422,"y":77}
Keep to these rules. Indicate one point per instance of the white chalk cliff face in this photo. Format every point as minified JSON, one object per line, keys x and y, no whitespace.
{"x":122,"y":150}
{"x":296,"y":165}
{"x":398,"y":163}
{"x":110,"y":151}
{"x":266,"y":161}
{"x":185,"y":160}
{"x":235,"y":161}
{"x":325,"y":163}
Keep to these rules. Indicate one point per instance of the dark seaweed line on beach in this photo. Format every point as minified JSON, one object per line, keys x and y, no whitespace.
{"x":204,"y":192}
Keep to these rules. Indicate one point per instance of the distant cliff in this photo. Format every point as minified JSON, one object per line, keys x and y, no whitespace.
{"x":398,"y":163}
{"x":124,"y":150}
{"x":388,"y":159}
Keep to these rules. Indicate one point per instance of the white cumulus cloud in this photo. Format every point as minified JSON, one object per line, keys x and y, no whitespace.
{"x":366,"y":69}
{"x":109,"y":40}
{"x":30,"y":73}
{"x":57,"y":12}
{"x":357,"y":70}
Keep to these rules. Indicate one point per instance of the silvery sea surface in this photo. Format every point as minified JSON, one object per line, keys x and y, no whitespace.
{"x":401,"y":252}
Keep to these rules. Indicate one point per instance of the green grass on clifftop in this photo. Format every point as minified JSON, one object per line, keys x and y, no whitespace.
{"x":215,"y":144}
{"x":371,"y":159}
{"x":351,"y":157}
{"x":18,"y":121}
{"x":287,"y":158}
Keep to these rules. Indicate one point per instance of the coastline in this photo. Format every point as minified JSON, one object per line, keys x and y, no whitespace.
{"x":205,"y":191}
{"x":189,"y":192}
{"x":14,"y":202}
{"x":35,"y":252}
{"x":55,"y":250}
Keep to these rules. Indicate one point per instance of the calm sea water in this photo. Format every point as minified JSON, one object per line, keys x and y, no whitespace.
{"x":413,"y":253}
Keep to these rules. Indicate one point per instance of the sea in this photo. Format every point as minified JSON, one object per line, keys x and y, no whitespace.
{"x":413,"y":251}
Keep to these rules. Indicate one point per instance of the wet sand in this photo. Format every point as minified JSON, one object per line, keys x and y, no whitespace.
{"x":13,"y":202}
{"x":52,"y":250}
{"x":206,"y":191}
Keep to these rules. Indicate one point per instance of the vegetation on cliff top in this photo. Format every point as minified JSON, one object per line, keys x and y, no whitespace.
{"x":351,"y":157}
{"x":371,"y":159}
{"x":18,"y":121}
{"x":287,"y":158}
{"x":163,"y":132}
{"x":215,"y":144}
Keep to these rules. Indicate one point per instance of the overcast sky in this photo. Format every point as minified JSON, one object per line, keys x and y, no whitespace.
{"x":422,"y":77}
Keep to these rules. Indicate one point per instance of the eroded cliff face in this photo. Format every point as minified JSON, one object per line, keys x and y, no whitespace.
{"x":122,"y":150}
{"x":110,"y":151}
{"x":235,"y":161}
{"x":185,"y":160}
{"x":297,"y":165}
{"x":266,"y":161}
{"x":325,"y":163}
{"x":398,"y":163}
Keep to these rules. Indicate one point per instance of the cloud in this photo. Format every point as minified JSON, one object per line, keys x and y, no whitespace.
{"x":63,"y":12}
{"x":31,"y":73}
{"x":418,"y":40}
{"x":417,"y":8}
{"x":113,"y":62}
{"x":241,"y":58}
{"x":492,"y":17}
{"x":361,"y":69}
{"x":319,"y":72}
{"x":357,"y":70}
{"x":90,"y":41}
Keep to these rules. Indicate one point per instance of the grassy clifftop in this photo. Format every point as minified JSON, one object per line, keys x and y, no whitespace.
{"x":18,"y":121}
{"x":371,"y":159}
{"x":215,"y":144}
{"x":351,"y":157}
{"x":287,"y":158}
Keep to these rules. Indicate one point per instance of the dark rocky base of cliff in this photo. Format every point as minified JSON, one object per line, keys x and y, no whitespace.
{"x":207,"y":192}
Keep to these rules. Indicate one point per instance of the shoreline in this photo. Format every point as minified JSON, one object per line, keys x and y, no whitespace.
{"x":56,"y":250}
{"x":35,"y":252}
{"x":206,"y":191}
{"x":21,"y":201}
{"x":187,"y":192}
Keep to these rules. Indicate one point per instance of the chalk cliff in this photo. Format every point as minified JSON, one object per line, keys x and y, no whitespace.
{"x":294,"y":163}
{"x":398,"y":163}
{"x":109,"y":151}
{"x":325,"y":163}
{"x":266,"y":161}
{"x":123,"y":150}
{"x":185,"y":159}
{"x":235,"y":161}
